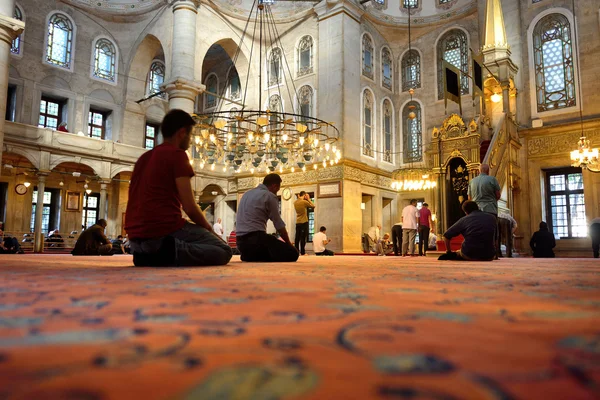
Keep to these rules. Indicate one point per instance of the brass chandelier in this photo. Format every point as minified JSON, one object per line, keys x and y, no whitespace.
{"x":263,"y":140}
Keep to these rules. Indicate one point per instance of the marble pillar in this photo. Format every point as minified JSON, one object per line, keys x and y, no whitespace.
{"x":102,"y":214}
{"x":181,"y":87}
{"x":10,"y":28}
{"x":39,"y":209}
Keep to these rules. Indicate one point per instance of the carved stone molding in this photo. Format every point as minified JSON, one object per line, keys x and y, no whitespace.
{"x":541,"y":146}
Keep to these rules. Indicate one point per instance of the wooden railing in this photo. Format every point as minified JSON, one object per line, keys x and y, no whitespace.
{"x":498,"y":154}
{"x":53,"y":245}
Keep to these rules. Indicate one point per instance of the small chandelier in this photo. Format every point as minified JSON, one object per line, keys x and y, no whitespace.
{"x":269,"y":140}
{"x":411,"y":179}
{"x":585,"y":157}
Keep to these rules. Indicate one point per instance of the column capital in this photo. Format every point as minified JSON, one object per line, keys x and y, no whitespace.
{"x":183,"y":88}
{"x":10,"y":28}
{"x":42,"y":175}
{"x":328,"y":8}
{"x":191,"y":5}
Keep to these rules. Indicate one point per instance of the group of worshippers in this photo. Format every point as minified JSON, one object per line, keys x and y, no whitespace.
{"x":160,"y":236}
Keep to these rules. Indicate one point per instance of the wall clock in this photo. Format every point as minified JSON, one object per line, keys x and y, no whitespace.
{"x":21,"y":189}
{"x":287,"y":193}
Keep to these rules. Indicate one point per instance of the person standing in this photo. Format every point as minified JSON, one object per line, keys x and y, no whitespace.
{"x":320,"y":240}
{"x":256,"y":207}
{"x":595,"y":234}
{"x":218,"y":228}
{"x":425,"y":224}
{"x":410,"y":222}
{"x":160,"y":187}
{"x":397,"y":237}
{"x":302,"y":204}
{"x":485,"y":191}
{"x":542,"y":242}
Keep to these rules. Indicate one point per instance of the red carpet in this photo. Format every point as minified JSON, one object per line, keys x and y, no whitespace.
{"x":323,"y":328}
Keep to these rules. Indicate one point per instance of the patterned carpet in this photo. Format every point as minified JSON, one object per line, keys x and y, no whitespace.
{"x":323,"y":328}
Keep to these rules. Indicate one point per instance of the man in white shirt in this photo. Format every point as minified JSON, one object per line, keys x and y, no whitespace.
{"x":218,"y":228}
{"x":410,"y":224}
{"x":374,"y":234}
{"x":320,"y":241}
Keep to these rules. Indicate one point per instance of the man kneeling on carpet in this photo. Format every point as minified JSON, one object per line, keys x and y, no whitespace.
{"x":160,"y":187}
{"x":478,"y":229}
{"x":256,"y":207}
{"x":320,"y":240}
{"x":93,"y":241}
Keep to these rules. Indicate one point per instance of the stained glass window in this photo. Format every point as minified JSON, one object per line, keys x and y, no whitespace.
{"x":156,"y":77}
{"x":368,"y":123}
{"x":212,"y":86}
{"x":386,"y":68}
{"x":305,"y":56}
{"x":379,"y":4}
{"x":150,"y":136}
{"x":566,"y":203}
{"x":554,"y":65}
{"x":50,"y":113}
{"x":454,"y":49}
{"x":105,"y":55}
{"x":367,"y":56}
{"x":387,"y":131}
{"x":412,"y":132}
{"x":411,"y":70}
{"x":15,"y":48}
{"x":96,"y":124}
{"x":235,"y":88}
{"x":305,"y":98}
{"x":60,"y":40}
{"x":275,"y":67}
{"x":410,"y":3}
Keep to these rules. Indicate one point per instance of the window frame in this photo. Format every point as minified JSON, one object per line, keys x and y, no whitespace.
{"x":404,"y":63}
{"x":310,"y":213}
{"x":49,"y":99}
{"x":566,"y":192}
{"x":305,"y":70}
{"x":406,"y":134}
{"x":390,"y":156}
{"x":368,"y":148}
{"x":300,"y":99}
{"x":364,"y":71}
{"x":439,"y":56}
{"x":231,"y":73}
{"x":280,"y":74}
{"x":150,"y":80}
{"x":115,"y":61}
{"x":206,"y":95}
{"x":91,"y":125}
{"x":19,"y":40}
{"x":47,"y":206}
{"x":146,"y":137}
{"x":70,"y":65}
{"x":391,"y":63}
{"x":85,"y":209}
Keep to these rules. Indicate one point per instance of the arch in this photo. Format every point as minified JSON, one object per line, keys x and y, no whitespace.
{"x":94,"y":165}
{"x":305,"y":55}
{"x":16,"y":47}
{"x":387,"y":75}
{"x":13,"y":72}
{"x":466,"y":87}
{"x":388,"y":153}
{"x":33,"y":157}
{"x":213,"y":187}
{"x":368,"y":56}
{"x":104,"y":64}
{"x":102,"y":94}
{"x":407,"y":60}
{"x":368,"y":122}
{"x":532,"y":68}
{"x":117,"y":169}
{"x":56,"y":82}
{"x":66,"y":24}
{"x":148,"y":50}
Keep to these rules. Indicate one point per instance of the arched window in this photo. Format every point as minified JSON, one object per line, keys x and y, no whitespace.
{"x":413,"y":5}
{"x":411,"y":70}
{"x":305,"y":56}
{"x":156,"y":77}
{"x":386,"y":68}
{"x":387,"y":130}
{"x":367,"y":123}
{"x":212,"y":85}
{"x":379,"y":4}
{"x":105,"y":57}
{"x":367,"y":56}
{"x":412,"y":133}
{"x":554,"y":64}
{"x":15,"y":48}
{"x":305,"y":99}
{"x":235,"y":88}
{"x":275,"y":67}
{"x":60,"y":41}
{"x":454,"y":49}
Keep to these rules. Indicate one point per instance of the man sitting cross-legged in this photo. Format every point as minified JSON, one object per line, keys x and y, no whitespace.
{"x":478,"y":229}
{"x":160,"y":186}
{"x":320,"y":240}
{"x":93,"y":241}
{"x":256,"y":207}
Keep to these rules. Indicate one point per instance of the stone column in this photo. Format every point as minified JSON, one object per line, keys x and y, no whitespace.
{"x":102,"y":206}
{"x":39,"y":209}
{"x":10,"y":28}
{"x":182,"y":88}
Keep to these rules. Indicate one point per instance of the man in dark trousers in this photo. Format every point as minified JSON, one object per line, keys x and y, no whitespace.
{"x":256,"y":207}
{"x":542,"y":242}
{"x":160,"y":186}
{"x":93,"y":241}
{"x":485,"y":191}
{"x":302,"y":204}
{"x":478,"y":228}
{"x":425,"y":224}
{"x":595,"y":234}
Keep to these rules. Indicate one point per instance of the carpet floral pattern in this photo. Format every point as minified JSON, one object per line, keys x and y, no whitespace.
{"x":322,"y":328}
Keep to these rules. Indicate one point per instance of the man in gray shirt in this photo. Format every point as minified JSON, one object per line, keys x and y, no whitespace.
{"x":485,"y":191}
{"x":256,"y":207}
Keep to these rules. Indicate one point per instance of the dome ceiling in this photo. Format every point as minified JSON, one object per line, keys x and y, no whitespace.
{"x":426,"y":11}
{"x":282,"y":10}
{"x":117,"y":7}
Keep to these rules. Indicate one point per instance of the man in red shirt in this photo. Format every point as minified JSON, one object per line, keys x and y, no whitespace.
{"x":160,"y":187}
{"x":425,"y":224}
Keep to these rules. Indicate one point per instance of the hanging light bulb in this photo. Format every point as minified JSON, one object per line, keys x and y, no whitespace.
{"x":88,"y":191}
{"x":212,"y":167}
{"x":27,"y":184}
{"x":496,"y":98}
{"x":62,"y":183}
{"x":85,"y":186}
